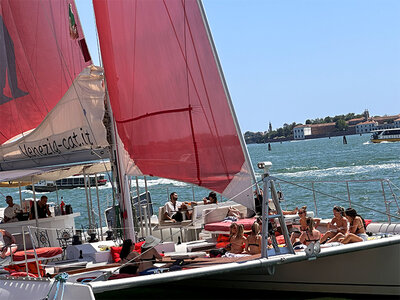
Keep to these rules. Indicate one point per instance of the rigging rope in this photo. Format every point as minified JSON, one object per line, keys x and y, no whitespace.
{"x":59,"y":282}
{"x":336,"y":197}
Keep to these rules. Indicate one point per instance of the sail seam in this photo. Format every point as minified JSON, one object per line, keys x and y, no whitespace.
{"x":219,"y":146}
{"x":169,"y":111}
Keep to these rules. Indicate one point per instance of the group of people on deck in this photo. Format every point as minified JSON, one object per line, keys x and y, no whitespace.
{"x":345,"y":227}
{"x":176,"y":211}
{"x":12,"y":210}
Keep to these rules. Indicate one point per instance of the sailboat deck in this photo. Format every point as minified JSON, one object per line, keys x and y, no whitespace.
{"x":200,"y":262}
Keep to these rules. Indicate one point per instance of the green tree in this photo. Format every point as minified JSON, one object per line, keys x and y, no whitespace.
{"x":341,"y":125}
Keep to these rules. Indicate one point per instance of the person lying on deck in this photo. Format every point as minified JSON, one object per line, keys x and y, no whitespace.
{"x":149,"y":255}
{"x":6,"y":240}
{"x":174,"y":209}
{"x":338,"y":224}
{"x":211,"y":199}
{"x":253,"y":241}
{"x":356,"y":232}
{"x":128,"y":257}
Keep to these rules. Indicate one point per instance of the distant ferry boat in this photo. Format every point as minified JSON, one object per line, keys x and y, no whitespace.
{"x":385,"y":135}
{"x":67,"y":183}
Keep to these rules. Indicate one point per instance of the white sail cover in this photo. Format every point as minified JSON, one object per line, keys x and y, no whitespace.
{"x":74,"y":124}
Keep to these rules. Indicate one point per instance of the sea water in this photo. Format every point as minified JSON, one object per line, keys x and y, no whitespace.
{"x":295,"y":165}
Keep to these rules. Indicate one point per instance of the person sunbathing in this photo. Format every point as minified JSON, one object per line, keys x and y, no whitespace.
{"x":6,"y":246}
{"x":303,"y":224}
{"x":149,"y":255}
{"x":236,"y":239}
{"x":338,"y":224}
{"x":253,"y":241}
{"x":128,"y":258}
{"x":310,"y":234}
{"x":356,"y":231}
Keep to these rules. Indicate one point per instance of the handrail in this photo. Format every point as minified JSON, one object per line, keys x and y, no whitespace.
{"x":382,"y":181}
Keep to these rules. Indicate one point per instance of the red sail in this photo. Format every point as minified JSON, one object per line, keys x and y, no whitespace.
{"x":166,"y":91}
{"x":42,"y":50}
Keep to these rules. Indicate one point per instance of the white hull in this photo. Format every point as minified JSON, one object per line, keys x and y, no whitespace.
{"x":370,"y":271}
{"x":19,"y":289}
{"x":361,"y":268}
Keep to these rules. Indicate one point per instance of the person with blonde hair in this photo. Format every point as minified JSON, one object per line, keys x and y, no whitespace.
{"x":253,"y":241}
{"x":236,"y":238}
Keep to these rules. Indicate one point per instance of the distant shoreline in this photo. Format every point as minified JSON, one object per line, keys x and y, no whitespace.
{"x":309,"y":137}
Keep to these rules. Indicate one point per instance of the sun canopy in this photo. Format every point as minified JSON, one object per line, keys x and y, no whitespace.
{"x":52,"y":173}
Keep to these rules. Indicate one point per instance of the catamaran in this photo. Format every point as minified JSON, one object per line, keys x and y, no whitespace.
{"x":166,"y":111}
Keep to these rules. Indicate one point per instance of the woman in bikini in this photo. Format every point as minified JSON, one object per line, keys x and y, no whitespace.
{"x":338,"y":224}
{"x":356,"y":230}
{"x":253,"y":242}
{"x":236,"y":239}
{"x":303,"y":224}
{"x":310,"y":234}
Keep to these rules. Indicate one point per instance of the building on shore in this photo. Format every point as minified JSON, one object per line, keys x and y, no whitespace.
{"x":355,"y":126}
{"x":301,"y":131}
{"x":366,"y":126}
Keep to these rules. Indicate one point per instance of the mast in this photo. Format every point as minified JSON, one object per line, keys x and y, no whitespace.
{"x":228,"y":96}
{"x":123,"y":190}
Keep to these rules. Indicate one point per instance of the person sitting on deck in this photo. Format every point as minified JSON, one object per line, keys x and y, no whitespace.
{"x":10,"y":212}
{"x":128,"y":256}
{"x":253,"y":241}
{"x":236,"y":239}
{"x":310,"y":234}
{"x":356,"y":232}
{"x":174,"y":209}
{"x":42,"y":208}
{"x":149,"y":255}
{"x":303,"y":224}
{"x":211,"y":199}
{"x":338,"y":224}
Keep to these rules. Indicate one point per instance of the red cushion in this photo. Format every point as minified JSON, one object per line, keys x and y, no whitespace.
{"x":115,"y":251}
{"x":224,"y":226}
{"x":138,"y":247}
{"x":22,"y":274}
{"x":367,"y":222}
{"x":44,"y":252}
{"x":221,"y":245}
{"x":223,"y":238}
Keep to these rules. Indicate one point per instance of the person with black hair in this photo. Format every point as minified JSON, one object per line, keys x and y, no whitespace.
{"x":128,"y":258}
{"x":357,"y":229}
{"x":211,"y":199}
{"x":174,"y":209}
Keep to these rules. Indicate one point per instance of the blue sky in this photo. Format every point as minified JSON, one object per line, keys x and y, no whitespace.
{"x":290,"y":60}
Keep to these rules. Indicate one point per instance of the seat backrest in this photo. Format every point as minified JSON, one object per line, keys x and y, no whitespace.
{"x":219,"y":214}
{"x":20,"y":242}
